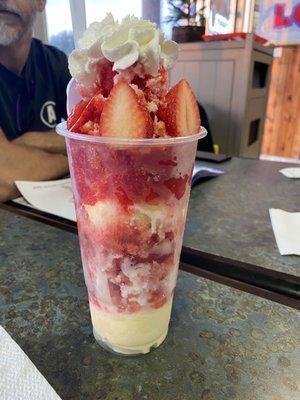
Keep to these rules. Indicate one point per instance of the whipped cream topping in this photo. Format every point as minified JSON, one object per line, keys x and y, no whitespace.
{"x":123,"y":43}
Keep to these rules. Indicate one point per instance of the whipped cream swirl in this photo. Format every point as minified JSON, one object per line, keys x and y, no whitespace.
{"x":123,"y":43}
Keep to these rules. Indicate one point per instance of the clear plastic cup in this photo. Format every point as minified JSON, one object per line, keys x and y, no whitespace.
{"x":131,"y":198}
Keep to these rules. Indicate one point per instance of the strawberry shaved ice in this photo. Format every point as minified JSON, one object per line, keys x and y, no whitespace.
{"x":131,"y":146}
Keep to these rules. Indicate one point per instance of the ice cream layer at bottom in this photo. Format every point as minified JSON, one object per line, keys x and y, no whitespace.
{"x":131,"y":333}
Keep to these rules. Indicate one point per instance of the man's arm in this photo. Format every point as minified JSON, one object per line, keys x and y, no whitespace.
{"x":22,"y":162}
{"x":47,"y":141}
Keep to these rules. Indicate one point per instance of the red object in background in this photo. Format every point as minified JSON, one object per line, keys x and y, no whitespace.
{"x":260,"y":39}
{"x":232,"y":36}
{"x":224,"y":36}
{"x":282,"y":20}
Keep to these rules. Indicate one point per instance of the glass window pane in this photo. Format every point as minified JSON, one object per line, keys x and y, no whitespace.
{"x":96,"y":10}
{"x":59,"y":25}
{"x":166,"y":27}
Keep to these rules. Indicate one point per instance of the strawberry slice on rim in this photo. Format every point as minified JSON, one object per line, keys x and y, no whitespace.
{"x":125,"y":115}
{"x":180,"y":112}
{"x":84,"y":112}
{"x":76,"y":113}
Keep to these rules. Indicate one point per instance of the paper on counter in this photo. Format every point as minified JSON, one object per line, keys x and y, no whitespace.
{"x":202,"y":172}
{"x":23,"y":202}
{"x":54,"y":197}
{"x":199,"y":167}
{"x":19,"y":378}
{"x":286,"y":228}
{"x":293,"y":172}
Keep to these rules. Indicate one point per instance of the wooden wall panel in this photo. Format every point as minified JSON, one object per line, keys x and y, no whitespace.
{"x":282,"y":124}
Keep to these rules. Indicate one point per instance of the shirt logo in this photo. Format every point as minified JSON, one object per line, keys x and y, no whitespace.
{"x":48,"y":115}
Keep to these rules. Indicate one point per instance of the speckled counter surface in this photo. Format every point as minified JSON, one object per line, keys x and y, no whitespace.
{"x":229,"y":215}
{"x":223,"y":344}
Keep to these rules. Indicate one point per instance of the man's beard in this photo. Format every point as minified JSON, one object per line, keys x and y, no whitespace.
{"x":9,"y":35}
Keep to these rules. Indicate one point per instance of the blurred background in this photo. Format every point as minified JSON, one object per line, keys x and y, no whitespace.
{"x":247,"y":79}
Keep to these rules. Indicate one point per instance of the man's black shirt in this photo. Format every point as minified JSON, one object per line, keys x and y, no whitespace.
{"x":35,"y":100}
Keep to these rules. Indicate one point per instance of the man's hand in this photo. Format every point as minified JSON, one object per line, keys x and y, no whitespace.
{"x":47,"y":141}
{"x":24,"y":162}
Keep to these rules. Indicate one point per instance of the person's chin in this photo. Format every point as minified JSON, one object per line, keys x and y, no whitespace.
{"x":9,"y":34}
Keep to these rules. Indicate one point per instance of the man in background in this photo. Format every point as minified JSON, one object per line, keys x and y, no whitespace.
{"x":33,"y":80}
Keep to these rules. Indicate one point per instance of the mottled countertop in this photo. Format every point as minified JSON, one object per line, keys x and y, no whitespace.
{"x":229,"y":215}
{"x":223,"y":344}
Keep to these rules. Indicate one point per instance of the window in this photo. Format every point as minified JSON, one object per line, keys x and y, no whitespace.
{"x":166,"y":27}
{"x":65,"y":29}
{"x":59,"y":25}
{"x":96,"y":10}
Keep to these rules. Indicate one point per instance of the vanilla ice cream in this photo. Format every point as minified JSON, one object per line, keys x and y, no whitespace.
{"x":131,"y":333}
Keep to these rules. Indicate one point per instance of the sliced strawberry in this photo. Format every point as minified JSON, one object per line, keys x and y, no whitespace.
{"x":98,"y":104}
{"x":85,"y":116}
{"x":151,"y":196}
{"x":124,"y":115}
{"x":76,"y":113}
{"x":123,"y":198}
{"x":105,"y":77}
{"x":180,"y":113}
{"x":177,"y":186}
{"x":104,"y":83}
{"x":90,"y":113}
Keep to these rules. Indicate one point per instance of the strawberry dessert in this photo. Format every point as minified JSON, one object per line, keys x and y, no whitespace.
{"x":131,"y":145}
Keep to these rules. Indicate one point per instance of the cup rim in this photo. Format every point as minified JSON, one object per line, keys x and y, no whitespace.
{"x":62,"y":130}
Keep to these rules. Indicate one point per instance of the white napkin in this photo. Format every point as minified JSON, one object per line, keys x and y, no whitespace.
{"x":19,"y":378}
{"x":54,"y":197}
{"x":286,"y":228}
{"x":291,"y":172}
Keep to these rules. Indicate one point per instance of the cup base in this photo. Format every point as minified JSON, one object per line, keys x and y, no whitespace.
{"x":131,"y":333}
{"x":130,"y":351}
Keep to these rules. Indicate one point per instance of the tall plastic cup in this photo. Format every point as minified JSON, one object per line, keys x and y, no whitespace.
{"x":131,"y":198}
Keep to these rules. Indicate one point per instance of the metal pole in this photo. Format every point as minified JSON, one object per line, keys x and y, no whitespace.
{"x":78,"y":15}
{"x":151,"y":10}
